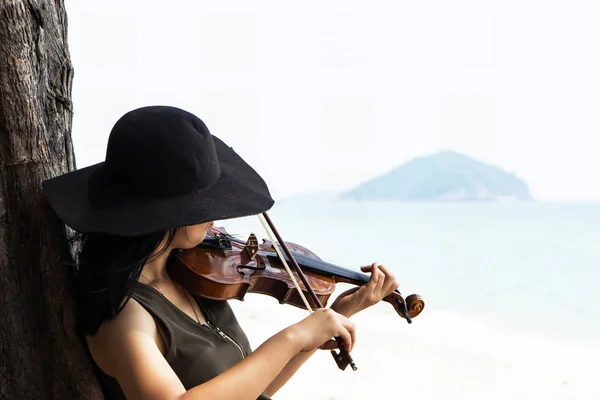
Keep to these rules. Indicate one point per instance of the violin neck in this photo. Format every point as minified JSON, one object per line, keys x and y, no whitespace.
{"x":341,"y":274}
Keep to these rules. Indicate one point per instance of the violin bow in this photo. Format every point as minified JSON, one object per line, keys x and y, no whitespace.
{"x":343,"y":358}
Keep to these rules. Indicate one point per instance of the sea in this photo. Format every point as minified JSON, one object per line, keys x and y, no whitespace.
{"x":525,"y":270}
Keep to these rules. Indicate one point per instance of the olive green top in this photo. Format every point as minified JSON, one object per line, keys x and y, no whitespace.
{"x":196,"y":352}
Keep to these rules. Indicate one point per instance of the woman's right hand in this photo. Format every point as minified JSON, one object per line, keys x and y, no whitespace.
{"x":318,"y":329}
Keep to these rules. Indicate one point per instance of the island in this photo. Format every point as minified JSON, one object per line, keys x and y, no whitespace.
{"x":444,"y":176}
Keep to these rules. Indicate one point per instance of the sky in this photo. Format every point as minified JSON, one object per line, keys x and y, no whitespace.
{"x":323,"y":95}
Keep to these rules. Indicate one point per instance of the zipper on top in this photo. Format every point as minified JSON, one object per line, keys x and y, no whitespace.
{"x":225,"y":336}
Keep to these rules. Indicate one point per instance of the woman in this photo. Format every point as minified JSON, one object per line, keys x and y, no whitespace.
{"x":164,"y":180}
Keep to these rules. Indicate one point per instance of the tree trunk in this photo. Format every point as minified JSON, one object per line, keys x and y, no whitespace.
{"x":41,"y":355}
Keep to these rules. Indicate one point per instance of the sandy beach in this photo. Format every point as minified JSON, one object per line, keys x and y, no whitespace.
{"x":440,"y":356}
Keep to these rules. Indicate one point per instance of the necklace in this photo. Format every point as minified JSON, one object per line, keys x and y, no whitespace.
{"x":153,"y":285}
{"x":184,"y":293}
{"x":191,"y":305}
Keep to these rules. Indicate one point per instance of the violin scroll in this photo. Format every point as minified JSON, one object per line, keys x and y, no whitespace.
{"x":407,"y":309}
{"x":415,"y":305}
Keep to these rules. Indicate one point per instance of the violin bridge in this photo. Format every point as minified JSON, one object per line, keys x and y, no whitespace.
{"x":251,"y":246}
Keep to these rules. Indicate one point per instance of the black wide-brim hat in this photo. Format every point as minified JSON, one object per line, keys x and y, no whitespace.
{"x":163,"y":170}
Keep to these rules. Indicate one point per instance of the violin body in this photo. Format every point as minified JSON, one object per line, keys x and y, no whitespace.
{"x":229,"y":273}
{"x":223,"y":268}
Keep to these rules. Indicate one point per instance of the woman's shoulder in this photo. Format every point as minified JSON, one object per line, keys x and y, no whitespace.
{"x":131,"y":326}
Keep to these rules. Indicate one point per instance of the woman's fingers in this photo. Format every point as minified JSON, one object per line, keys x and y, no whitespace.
{"x":377,"y":277}
{"x":373,"y":280}
{"x":351,"y":329}
{"x":390,"y":282}
{"x":380,"y":284}
{"x":346,"y":340}
{"x":367,"y":268}
{"x":329,"y":345}
{"x":381,"y":278}
{"x":348,"y":335}
{"x":346,"y":331}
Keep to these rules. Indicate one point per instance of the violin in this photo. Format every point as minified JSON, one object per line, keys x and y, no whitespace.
{"x":223,"y":267}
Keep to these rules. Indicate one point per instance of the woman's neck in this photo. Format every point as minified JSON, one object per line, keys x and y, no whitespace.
{"x":155,"y":270}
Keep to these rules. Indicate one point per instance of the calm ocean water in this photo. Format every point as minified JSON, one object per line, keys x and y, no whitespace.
{"x":524,"y":266}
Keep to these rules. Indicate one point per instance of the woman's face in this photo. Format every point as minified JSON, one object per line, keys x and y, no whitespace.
{"x":190,"y":236}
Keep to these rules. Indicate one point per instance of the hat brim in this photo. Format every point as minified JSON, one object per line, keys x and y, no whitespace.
{"x":239,"y":192}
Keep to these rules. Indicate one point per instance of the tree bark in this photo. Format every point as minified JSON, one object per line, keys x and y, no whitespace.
{"x":41,"y":355}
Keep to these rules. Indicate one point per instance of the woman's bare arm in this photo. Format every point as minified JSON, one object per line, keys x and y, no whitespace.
{"x":131,"y":355}
{"x":288,"y":371}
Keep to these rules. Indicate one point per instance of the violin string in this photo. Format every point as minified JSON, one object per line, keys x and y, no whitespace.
{"x":276,"y":247}
{"x":310,"y":262}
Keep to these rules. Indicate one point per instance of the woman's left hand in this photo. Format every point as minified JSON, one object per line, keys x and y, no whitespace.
{"x":381,"y":284}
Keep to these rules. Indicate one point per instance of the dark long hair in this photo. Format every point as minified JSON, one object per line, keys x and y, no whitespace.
{"x":108,"y":267}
